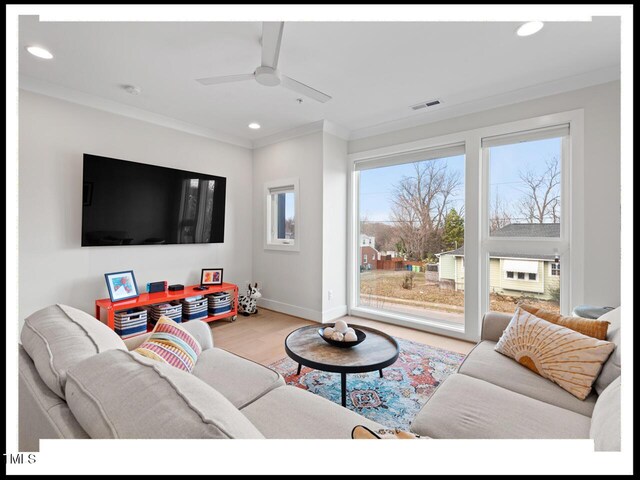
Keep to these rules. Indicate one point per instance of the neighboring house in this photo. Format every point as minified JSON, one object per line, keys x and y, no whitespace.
{"x":367,"y":241}
{"x":369,"y":256}
{"x":510,"y":273}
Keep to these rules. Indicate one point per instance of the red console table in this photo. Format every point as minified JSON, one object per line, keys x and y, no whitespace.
{"x":108,"y":308}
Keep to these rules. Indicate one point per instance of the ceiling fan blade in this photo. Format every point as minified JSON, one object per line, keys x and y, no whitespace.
{"x":271,"y":40}
{"x":305,"y":90}
{"x":226,"y":79}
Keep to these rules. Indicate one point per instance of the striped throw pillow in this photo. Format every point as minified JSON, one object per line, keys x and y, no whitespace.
{"x":170,"y":343}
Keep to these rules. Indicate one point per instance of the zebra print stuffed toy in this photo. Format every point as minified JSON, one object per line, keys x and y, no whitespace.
{"x":247,"y":304}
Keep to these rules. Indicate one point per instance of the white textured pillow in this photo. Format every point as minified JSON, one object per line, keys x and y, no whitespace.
{"x":564,"y":356}
{"x":58,"y":337}
{"x":612,"y":367}
{"x":124,"y":395}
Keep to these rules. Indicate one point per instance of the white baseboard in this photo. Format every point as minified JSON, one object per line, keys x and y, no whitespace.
{"x":334,"y":313}
{"x":294,"y":310}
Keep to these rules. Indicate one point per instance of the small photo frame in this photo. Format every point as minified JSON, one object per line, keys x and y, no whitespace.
{"x":121,"y":285}
{"x":211,"y":276}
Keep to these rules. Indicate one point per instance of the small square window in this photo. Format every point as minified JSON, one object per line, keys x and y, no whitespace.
{"x":520,"y":275}
{"x":281,"y":215}
{"x":509,"y":274}
{"x":533,"y":276}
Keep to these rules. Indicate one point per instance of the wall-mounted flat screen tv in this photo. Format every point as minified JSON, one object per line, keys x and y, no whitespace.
{"x":129,"y":203}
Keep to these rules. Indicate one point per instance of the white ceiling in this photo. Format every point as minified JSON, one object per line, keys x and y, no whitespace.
{"x":373,"y":70}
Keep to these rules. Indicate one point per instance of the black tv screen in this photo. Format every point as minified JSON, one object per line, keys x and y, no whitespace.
{"x":129,"y":203}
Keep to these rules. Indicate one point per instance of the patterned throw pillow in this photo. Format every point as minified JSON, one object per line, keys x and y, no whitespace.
{"x":564,"y":356}
{"x":360,"y":432}
{"x":170,"y":343}
{"x":592,"y":328}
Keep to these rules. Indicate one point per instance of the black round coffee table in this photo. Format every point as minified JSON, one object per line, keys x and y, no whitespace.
{"x":306,"y":347}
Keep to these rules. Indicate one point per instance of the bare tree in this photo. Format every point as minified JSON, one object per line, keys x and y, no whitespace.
{"x":420,"y":204}
{"x":499,"y":216}
{"x":541,"y":200}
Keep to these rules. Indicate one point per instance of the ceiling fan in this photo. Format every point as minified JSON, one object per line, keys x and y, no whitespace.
{"x":267,"y":73}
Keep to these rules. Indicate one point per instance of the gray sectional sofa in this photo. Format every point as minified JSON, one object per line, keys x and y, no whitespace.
{"x":493,"y":396}
{"x":78,"y":379}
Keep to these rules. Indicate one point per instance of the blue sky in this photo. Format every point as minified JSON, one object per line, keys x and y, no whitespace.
{"x":377,"y":185}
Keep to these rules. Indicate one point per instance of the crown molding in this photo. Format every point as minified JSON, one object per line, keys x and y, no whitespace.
{"x":337,"y":130}
{"x":52,"y":90}
{"x":289,"y":134}
{"x":487,"y":102}
{"x":318,"y":126}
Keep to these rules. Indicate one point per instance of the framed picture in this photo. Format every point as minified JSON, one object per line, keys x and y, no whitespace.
{"x":211,"y":276}
{"x":121,"y":285}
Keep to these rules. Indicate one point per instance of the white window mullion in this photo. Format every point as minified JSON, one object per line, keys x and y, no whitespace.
{"x":475,"y":264}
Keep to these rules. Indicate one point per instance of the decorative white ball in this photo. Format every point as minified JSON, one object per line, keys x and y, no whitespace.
{"x":350,"y":337}
{"x":341,"y":326}
{"x":350,"y":330}
{"x":337,"y":336}
{"x":328,"y":332}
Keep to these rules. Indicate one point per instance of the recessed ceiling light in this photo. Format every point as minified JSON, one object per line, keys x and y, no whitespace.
{"x":254,"y":126}
{"x":39,"y":52}
{"x":529,"y":28}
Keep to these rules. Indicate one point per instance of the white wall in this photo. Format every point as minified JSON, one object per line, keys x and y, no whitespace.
{"x":601,"y":106}
{"x":291,"y":281}
{"x":53,"y":268}
{"x":334,"y":231}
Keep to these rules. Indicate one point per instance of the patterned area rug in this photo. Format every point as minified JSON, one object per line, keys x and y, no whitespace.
{"x":392,"y":401}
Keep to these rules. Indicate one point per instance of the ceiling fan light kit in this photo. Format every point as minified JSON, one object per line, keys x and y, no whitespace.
{"x":267,"y":76}
{"x":267,"y":73}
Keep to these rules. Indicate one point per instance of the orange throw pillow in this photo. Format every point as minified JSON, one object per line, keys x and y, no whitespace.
{"x":586,"y":326}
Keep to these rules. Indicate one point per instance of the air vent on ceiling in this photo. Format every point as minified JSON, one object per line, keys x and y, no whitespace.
{"x":421,"y":105}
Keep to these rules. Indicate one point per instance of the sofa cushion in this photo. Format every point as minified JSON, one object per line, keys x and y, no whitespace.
{"x":42,"y":413}
{"x":605,"y":423}
{"x":240,"y":380}
{"x":611,"y":368}
{"x":465,"y":407}
{"x":484,"y":363}
{"x":171,"y":344}
{"x":120,"y":394}
{"x":586,"y":326}
{"x":58,"y":337}
{"x":290,"y":412}
{"x":564,"y":356}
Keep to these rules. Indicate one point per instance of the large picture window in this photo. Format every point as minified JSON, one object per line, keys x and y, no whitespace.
{"x":469,"y":222}
{"x":411,"y":230}
{"x":524,"y":205}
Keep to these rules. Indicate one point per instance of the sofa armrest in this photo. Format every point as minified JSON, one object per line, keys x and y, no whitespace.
{"x":199,"y":329}
{"x":493,"y":324}
{"x":201,"y":332}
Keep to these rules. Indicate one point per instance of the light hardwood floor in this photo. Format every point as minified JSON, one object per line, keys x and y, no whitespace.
{"x":261,"y":337}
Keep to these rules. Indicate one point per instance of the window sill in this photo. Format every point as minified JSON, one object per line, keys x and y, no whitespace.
{"x":283,"y":247}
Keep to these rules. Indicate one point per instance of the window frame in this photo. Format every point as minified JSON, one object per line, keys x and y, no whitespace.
{"x":288,"y":185}
{"x":551,"y":269}
{"x":477,"y":242}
